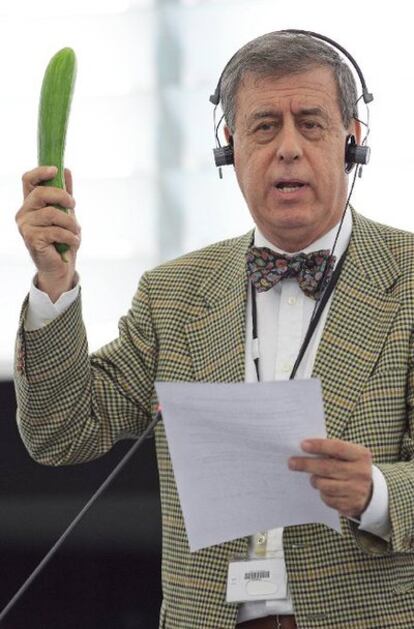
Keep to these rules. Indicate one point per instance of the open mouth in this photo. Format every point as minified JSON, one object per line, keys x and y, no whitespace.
{"x":289,"y":186}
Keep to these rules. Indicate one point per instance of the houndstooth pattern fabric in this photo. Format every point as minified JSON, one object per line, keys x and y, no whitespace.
{"x":187,"y":322}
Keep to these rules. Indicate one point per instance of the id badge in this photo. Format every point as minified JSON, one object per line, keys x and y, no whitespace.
{"x":256,"y":580}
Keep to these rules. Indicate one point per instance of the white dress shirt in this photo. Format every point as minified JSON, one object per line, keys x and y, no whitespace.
{"x":283,"y":315}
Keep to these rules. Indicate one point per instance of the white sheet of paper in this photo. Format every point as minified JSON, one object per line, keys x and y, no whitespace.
{"x":229,"y":446}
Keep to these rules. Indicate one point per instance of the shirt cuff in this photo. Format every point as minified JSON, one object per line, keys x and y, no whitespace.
{"x":41,"y":310}
{"x":375,"y":519}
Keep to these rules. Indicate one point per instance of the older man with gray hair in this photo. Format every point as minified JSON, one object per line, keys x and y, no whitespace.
{"x":315,"y":290}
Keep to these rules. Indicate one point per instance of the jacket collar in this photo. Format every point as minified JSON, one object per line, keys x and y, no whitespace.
{"x":230,"y":276}
{"x":367,"y":252}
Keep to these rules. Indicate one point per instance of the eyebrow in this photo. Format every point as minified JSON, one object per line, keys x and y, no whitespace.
{"x":273,"y":113}
{"x":312,"y":111}
{"x":259,"y":115}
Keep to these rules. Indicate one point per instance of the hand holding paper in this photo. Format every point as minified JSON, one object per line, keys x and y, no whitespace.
{"x":343,"y":474}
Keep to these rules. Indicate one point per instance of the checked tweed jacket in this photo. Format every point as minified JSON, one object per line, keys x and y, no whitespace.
{"x":187,"y":322}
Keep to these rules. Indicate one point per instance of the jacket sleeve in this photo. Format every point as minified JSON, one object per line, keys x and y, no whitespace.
{"x":72,"y":407}
{"x":399,"y":477}
{"x":400,"y":480}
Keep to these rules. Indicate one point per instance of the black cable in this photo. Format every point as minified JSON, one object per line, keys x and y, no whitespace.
{"x":317,"y":315}
{"x":322,"y":280}
{"x":254,"y":328}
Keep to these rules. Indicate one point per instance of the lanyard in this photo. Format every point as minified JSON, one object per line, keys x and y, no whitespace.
{"x":316,"y":315}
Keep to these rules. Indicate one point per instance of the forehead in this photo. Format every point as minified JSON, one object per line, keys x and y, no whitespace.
{"x":313,"y":88}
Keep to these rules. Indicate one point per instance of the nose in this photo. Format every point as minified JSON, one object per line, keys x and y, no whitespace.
{"x":289,"y":146}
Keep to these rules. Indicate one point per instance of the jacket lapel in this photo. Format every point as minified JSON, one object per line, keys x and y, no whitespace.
{"x":358,"y":322}
{"x":216,"y":339}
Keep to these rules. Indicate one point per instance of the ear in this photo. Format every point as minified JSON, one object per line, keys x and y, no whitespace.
{"x":228,"y":135}
{"x":355,"y":129}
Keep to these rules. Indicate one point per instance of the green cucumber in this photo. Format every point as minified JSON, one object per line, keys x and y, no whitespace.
{"x":54,"y":107}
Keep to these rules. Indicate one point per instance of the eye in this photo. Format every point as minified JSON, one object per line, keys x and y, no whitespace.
{"x":312,"y":129}
{"x":265,"y":127}
{"x":309,"y":124}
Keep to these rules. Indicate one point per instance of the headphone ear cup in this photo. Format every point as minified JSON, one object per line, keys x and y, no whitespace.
{"x":224,"y":155}
{"x":355,"y":153}
{"x":350,"y":143}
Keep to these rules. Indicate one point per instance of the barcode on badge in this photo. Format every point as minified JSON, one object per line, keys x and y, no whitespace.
{"x":256,"y":576}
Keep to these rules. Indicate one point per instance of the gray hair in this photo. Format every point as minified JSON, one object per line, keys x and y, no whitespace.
{"x":279,"y":54}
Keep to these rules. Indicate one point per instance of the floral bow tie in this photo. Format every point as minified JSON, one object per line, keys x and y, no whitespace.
{"x":266,"y":268}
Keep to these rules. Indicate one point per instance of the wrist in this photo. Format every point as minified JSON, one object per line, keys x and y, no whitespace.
{"x":54,"y":284}
{"x":368,"y":500}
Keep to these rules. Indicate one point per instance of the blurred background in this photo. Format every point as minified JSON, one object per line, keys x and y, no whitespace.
{"x":139,"y":146}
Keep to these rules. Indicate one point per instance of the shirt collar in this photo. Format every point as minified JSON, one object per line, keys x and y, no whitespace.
{"x":324,"y":242}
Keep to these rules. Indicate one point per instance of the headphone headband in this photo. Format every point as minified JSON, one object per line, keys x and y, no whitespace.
{"x":366,"y":95}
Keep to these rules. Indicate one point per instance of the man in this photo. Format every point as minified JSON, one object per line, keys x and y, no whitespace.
{"x":290,"y":105}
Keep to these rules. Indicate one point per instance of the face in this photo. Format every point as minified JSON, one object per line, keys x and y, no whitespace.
{"x":289,"y":146}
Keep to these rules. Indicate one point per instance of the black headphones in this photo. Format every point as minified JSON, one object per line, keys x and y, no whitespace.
{"x":354,"y":153}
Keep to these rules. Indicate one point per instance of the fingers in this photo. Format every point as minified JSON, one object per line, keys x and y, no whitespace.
{"x":349,"y":499}
{"x":336,"y":448}
{"x":329,"y":487}
{"x":42,"y":223}
{"x":46,"y":226}
{"x":36,"y":176}
{"x":35,"y":212}
{"x":343,"y":505}
{"x":328,"y":468}
{"x":33,"y":178}
{"x":49,"y":216}
{"x":41,"y":196}
{"x":334,"y":459}
{"x":341,"y":471}
{"x":39,"y":239}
